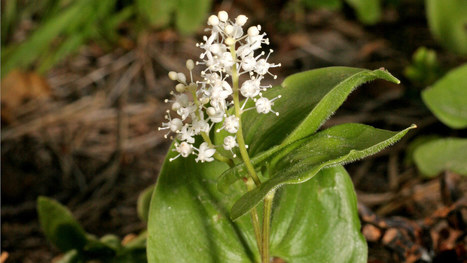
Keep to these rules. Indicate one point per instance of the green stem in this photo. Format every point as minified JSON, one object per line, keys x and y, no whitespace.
{"x":266,"y":226}
{"x":238,"y":113}
{"x":254,"y":217}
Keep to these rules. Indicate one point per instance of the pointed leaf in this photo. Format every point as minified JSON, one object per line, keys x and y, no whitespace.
{"x":441,"y":155}
{"x":447,"y":98}
{"x":59,"y":225}
{"x":337,"y":145}
{"x":308,"y":100}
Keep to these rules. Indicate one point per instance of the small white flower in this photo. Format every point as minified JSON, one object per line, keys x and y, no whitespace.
{"x":184,"y":149}
{"x":263,"y":105}
{"x":214,"y":115}
{"x":229,"y":143}
{"x":228,"y":47}
{"x":186,"y":134}
{"x":205,"y":153}
{"x":231,"y":124}
{"x":250,"y":88}
{"x":200,"y":125}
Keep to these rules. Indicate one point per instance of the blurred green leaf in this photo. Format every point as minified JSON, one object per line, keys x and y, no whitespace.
{"x":340,"y":144}
{"x":112,"y":241}
{"x":71,"y":256}
{"x":368,"y":11}
{"x":447,"y":98}
{"x":157,"y":12}
{"x":441,"y":155}
{"x":448,"y":20}
{"x":59,"y":225}
{"x":191,"y":14}
{"x":419,"y":140}
{"x":424,"y":69}
{"x":143,"y":203}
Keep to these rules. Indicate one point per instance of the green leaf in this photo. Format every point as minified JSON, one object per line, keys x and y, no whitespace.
{"x":337,"y":145}
{"x":368,"y":11}
{"x":191,"y":15}
{"x":308,"y":100}
{"x":189,"y":219}
{"x":441,"y":155}
{"x":447,"y":20}
{"x":157,"y":12}
{"x":143,"y":203}
{"x":447,"y":98}
{"x":59,"y":225}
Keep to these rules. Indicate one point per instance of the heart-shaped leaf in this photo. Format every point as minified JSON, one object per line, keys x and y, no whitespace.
{"x":447,"y":98}
{"x":308,"y":100}
{"x":59,"y":225}
{"x":337,"y":145}
{"x":312,"y":222}
{"x":440,"y":155}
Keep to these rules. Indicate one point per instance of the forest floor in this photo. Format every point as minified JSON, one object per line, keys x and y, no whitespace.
{"x":91,"y":140}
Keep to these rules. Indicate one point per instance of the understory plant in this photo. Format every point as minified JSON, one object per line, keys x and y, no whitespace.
{"x":250,"y":175}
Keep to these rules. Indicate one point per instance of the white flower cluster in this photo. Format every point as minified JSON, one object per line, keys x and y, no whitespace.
{"x":228,"y":53}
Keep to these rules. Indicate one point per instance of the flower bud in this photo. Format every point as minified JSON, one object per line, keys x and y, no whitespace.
{"x":180,"y":87}
{"x":241,"y":20}
{"x":190,"y":65}
{"x":213,"y":20}
{"x":229,"y":29}
{"x":223,"y":16}
{"x":253,"y":31}
{"x":181,"y":77}
{"x":173,"y":75}
{"x":229,"y":41}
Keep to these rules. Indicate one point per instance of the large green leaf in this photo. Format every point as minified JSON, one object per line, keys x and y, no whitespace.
{"x":440,"y":155}
{"x":312,"y":222}
{"x":337,"y":145}
{"x":308,"y":100}
{"x":447,"y":98}
{"x":447,"y":20}
{"x":59,"y":225}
